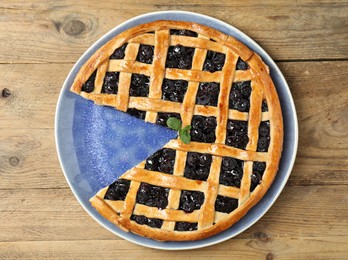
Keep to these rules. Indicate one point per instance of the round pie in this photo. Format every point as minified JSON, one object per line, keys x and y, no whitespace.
{"x":223,"y":101}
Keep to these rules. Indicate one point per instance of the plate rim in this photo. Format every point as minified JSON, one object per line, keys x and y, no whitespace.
{"x":194,"y":16}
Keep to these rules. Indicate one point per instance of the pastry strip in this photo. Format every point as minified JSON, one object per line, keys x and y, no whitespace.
{"x":209,"y":221}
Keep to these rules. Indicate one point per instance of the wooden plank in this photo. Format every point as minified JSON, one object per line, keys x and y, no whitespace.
{"x":44,"y":32}
{"x":34,"y":94}
{"x":26,"y":122}
{"x":308,"y":248}
{"x":321,"y":102}
{"x":41,"y":218}
{"x":54,"y":214}
{"x":28,"y":159}
{"x":46,"y":214}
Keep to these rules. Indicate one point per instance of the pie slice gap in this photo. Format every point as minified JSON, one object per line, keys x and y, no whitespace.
{"x":214,"y":84}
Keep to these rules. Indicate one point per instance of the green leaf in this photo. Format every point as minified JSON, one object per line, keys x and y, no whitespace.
{"x":174,"y":123}
{"x":184,"y":133}
{"x":185,"y":136}
{"x":186,"y":128}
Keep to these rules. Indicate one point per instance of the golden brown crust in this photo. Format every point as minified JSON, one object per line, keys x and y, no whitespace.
{"x":209,"y":221}
{"x":105,"y":52}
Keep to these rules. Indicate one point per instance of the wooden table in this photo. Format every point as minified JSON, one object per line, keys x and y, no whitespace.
{"x":39,"y":43}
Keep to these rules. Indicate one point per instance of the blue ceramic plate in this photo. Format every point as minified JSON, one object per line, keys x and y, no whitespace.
{"x":97,"y":144}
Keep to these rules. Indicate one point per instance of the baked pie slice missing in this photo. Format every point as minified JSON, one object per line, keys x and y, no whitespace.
{"x":214,"y":84}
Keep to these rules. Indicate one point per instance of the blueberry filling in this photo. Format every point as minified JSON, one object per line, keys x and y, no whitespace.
{"x":231,"y":172}
{"x":255,"y":180}
{"x":264,"y":137}
{"x":183,"y":33}
{"x":264,"y":106}
{"x":118,"y":190}
{"x":203,"y":129}
{"x":110,"y":85}
{"x":242,"y":65}
{"x":262,"y":144}
{"x":152,"y":196}
{"x":174,"y":90}
{"x":119,"y":52}
{"x":139,"y":85}
{"x":208,"y":94}
{"x":152,"y":222}
{"x":191,"y":200}
{"x":240,"y":96}
{"x":180,"y":57}
{"x":145,"y":54}
{"x":256,"y":176}
{"x":225,"y":204}
{"x":197,"y":166}
{"x":137,"y":113}
{"x":88,"y":86}
{"x":185,"y":226}
{"x":163,"y":117}
{"x":162,"y":161}
{"x":214,"y":61}
{"x":237,"y":133}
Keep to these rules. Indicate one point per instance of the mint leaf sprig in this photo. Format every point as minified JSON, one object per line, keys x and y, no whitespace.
{"x":184,"y":133}
{"x":174,"y":123}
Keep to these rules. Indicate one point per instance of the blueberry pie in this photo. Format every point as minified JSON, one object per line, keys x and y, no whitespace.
{"x":210,"y":82}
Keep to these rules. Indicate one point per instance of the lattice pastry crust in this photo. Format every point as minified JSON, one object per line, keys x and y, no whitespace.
{"x":207,"y":219}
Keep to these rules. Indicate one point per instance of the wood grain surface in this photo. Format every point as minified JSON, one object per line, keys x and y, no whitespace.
{"x":41,"y":40}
